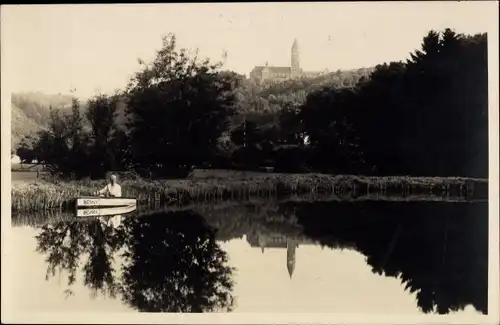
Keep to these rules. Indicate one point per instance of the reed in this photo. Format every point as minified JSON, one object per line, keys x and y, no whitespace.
{"x":37,"y":196}
{"x":54,"y":216}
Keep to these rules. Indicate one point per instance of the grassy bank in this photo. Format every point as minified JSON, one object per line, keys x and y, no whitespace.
{"x":36,"y":196}
{"x":27,"y":167}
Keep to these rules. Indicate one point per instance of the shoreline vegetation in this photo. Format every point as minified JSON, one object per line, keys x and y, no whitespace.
{"x":57,"y":195}
{"x":54,"y":216}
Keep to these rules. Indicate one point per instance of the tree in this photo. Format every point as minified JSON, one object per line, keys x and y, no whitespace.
{"x":26,"y":149}
{"x":428,"y":116}
{"x":290,"y":123}
{"x":327,"y":119}
{"x":108,"y":144}
{"x":378,"y":115}
{"x":77,"y":142}
{"x":178,"y":108}
{"x":43,"y":146}
{"x":64,"y":146}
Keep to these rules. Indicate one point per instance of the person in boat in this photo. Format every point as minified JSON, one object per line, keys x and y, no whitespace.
{"x":112,"y":189}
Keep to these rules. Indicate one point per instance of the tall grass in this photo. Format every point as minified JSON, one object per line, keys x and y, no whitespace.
{"x":54,"y":216}
{"x":37,"y":196}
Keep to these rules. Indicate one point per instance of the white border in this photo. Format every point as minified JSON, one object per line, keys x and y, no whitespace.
{"x":239,"y":318}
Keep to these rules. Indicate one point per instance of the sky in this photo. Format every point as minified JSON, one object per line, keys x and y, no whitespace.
{"x":95,"y":48}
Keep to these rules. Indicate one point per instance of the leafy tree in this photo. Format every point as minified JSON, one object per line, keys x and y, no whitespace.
{"x":26,"y":149}
{"x":76,"y":141}
{"x":178,"y":107}
{"x":448,"y":92}
{"x":290,"y":124}
{"x":109,"y":143}
{"x":64,"y":146}
{"x":326,"y":118}
{"x":379,"y":119}
{"x":43,"y":146}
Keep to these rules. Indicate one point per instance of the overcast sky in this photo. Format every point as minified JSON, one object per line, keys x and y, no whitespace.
{"x":53,"y":48}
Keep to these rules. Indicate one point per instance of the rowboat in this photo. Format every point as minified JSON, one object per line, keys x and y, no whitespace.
{"x":100,"y":212}
{"x":96,"y":201}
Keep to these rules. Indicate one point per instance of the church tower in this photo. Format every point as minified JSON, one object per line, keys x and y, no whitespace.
{"x":295,"y":59}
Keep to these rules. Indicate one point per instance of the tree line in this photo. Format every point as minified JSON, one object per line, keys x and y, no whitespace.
{"x":423,"y":117}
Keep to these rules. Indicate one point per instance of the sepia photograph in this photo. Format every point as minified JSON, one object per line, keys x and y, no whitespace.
{"x":251,"y":162}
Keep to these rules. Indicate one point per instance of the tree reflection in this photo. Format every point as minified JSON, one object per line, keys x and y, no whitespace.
{"x":66,"y":243}
{"x":170,"y":262}
{"x":440,"y":251}
{"x":63,"y":244}
{"x":98,"y":271}
{"x":175,"y":265}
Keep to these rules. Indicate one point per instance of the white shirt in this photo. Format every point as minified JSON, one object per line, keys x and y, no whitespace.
{"x":112,"y":190}
{"x":112,"y":221}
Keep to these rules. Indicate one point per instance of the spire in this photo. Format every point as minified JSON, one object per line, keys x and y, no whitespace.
{"x":295,"y":59}
{"x":290,"y":268}
{"x":290,"y":256}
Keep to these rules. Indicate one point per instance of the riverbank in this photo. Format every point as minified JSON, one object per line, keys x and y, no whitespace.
{"x":44,"y":195}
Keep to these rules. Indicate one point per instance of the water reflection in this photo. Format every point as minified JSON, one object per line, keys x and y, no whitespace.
{"x":439,"y":250}
{"x":64,"y":244}
{"x":170,"y":263}
{"x":177,"y":261}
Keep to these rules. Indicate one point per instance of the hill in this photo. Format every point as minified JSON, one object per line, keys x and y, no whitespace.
{"x":270,"y":96}
{"x":30,"y":112}
{"x":22,"y":125}
{"x":36,"y":106}
{"x":338,"y":79}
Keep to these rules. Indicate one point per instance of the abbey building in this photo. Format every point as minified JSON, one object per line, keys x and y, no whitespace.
{"x":274,"y":73}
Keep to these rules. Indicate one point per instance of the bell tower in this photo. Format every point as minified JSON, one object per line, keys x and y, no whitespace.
{"x":295,"y":64}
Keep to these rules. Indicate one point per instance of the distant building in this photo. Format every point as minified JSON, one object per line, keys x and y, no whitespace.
{"x":279,"y":241}
{"x":274,"y":73}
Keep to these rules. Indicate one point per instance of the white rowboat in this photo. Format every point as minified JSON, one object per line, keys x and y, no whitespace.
{"x":99,"y":212}
{"x":96,"y":201}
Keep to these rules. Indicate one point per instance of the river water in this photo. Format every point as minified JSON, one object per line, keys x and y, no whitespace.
{"x":365,"y":257}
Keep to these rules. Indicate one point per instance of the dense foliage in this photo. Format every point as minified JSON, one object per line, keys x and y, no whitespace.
{"x":423,"y":117}
{"x":430,"y":115}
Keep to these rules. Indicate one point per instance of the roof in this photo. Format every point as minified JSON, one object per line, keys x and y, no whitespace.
{"x":313,"y":72}
{"x":280,"y":69}
{"x":258,"y":69}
